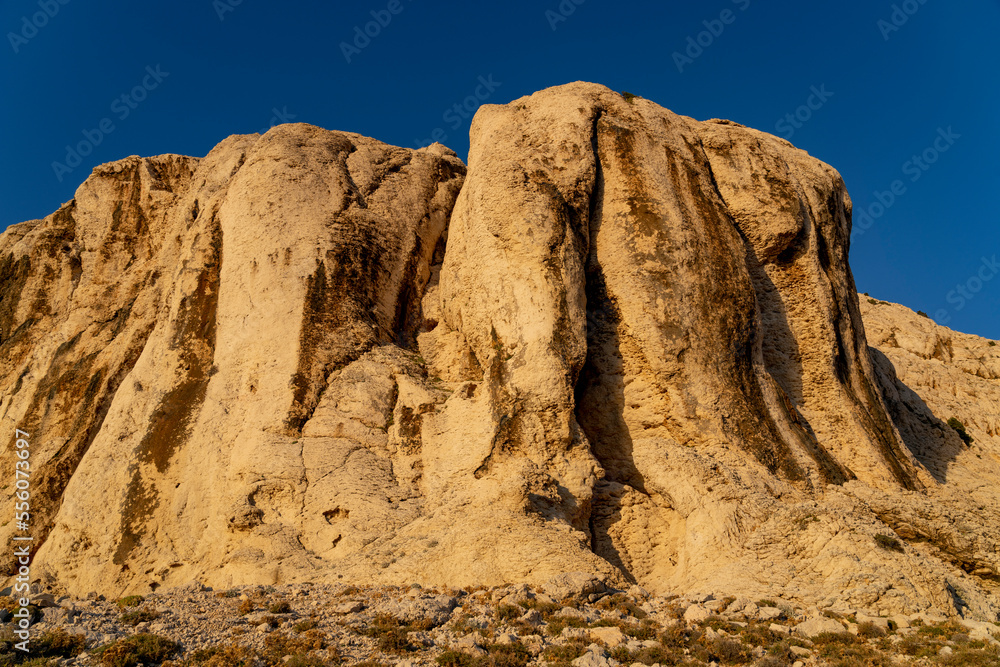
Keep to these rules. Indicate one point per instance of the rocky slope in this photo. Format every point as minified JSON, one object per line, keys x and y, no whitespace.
{"x":625,"y":343}
{"x":559,"y":624}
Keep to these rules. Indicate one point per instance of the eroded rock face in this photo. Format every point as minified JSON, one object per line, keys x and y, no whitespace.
{"x":639,"y":356}
{"x":168,"y":335}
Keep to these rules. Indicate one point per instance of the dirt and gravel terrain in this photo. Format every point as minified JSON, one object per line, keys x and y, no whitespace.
{"x":574,"y":620}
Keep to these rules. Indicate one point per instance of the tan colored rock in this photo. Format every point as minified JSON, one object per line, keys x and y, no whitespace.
{"x":634,"y":357}
{"x":168,"y":334}
{"x":696,"y":614}
{"x":610,"y":637}
{"x":817,"y":626}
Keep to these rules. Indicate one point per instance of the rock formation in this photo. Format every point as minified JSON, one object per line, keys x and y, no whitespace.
{"x":625,"y":343}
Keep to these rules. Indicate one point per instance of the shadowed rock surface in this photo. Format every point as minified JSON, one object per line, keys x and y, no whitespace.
{"x":629,"y":346}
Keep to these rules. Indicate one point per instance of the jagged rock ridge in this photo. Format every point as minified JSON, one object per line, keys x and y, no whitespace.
{"x":636,"y":351}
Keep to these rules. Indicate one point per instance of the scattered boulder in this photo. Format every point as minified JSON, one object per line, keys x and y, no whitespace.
{"x":610,"y":636}
{"x":696,"y":614}
{"x":573,"y":585}
{"x":819,"y":625}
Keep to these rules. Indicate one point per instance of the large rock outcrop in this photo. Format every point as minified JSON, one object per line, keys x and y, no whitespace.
{"x":635,"y":351}
{"x":168,"y":334}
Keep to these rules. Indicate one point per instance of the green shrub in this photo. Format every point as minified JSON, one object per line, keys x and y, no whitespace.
{"x":758,"y":634}
{"x":141,"y":648}
{"x":130,"y":601}
{"x":856,"y":654}
{"x":629,"y":97}
{"x":514,"y":654}
{"x":729,"y":652}
{"x":619,"y":602}
{"x":967,"y":656}
{"x":564,"y":654}
{"x":868,"y":630}
{"x":774,"y":661}
{"x":42,"y":649}
{"x":825,"y":638}
{"x":556,"y":624}
{"x":993,"y":343}
{"x":302,"y":626}
{"x":679,"y":635}
{"x":457,"y":659}
{"x":278,"y":646}
{"x":304,"y":661}
{"x":888,"y":542}
{"x":391,"y":633}
{"x":223,"y":656}
{"x":508,"y":612}
{"x":960,"y":429}
{"x":544,"y":608}
{"x":647,"y":656}
{"x":923,"y":314}
{"x":280,"y":607}
{"x":916,"y":646}
{"x":138,"y":616}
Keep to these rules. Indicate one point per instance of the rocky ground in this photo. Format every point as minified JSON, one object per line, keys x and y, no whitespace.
{"x":571,"y":621}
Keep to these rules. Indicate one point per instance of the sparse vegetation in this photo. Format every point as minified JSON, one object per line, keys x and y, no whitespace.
{"x":284,"y":649}
{"x":223,"y":656}
{"x":302,"y":626}
{"x":142,"y":648}
{"x":456,"y":659}
{"x":657,"y":639}
{"x":134,"y":618}
{"x":42,"y":650}
{"x":629,"y":97}
{"x":280,"y":607}
{"x":391,"y":632}
{"x":888,"y":542}
{"x":562,"y":655}
{"x":130,"y":601}
{"x":923,"y":314}
{"x":556,"y":624}
{"x":960,"y":429}
{"x":620,"y":602}
{"x":508,"y":612}
{"x":868,"y":630}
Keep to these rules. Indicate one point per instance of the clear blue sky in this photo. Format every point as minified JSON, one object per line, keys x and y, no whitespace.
{"x":892,"y":91}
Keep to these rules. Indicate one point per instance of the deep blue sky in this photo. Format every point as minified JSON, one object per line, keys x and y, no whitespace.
{"x":890,"y":96}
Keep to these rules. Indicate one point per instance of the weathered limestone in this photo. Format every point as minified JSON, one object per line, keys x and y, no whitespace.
{"x":626,"y":345}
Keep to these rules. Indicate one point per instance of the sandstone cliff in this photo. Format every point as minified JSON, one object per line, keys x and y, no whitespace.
{"x":630,"y":345}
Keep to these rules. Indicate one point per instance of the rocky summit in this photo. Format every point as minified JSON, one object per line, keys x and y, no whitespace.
{"x":619,"y":342}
